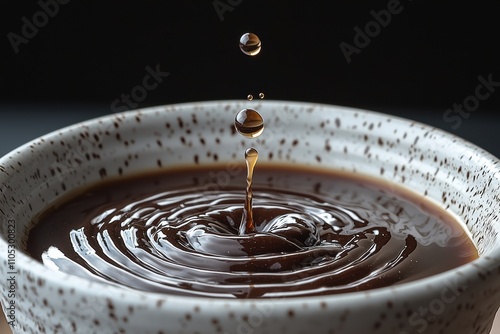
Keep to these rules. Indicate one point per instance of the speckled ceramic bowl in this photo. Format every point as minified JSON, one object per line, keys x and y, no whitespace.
{"x":465,"y":179}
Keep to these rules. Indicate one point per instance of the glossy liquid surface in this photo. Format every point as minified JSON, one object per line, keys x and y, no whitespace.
{"x":316,"y":233}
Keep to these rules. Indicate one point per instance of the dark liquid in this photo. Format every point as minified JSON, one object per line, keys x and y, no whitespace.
{"x":315,"y":233}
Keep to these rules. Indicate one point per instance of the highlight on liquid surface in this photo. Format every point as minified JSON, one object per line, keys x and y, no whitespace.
{"x":316,"y":233}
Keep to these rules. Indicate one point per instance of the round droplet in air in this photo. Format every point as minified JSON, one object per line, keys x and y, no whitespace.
{"x":251,"y":153}
{"x":261,"y":96}
{"x":249,"y":97}
{"x":250,"y":44}
{"x":249,"y":123}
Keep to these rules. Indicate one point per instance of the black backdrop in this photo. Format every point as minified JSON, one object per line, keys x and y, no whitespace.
{"x":83,"y":55}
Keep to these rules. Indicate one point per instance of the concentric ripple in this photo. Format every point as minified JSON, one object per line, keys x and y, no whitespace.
{"x":184,"y":241}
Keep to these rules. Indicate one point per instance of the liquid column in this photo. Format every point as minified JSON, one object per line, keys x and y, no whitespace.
{"x":247,"y":225}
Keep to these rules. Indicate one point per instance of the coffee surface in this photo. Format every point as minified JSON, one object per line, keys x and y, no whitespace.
{"x":316,"y":233}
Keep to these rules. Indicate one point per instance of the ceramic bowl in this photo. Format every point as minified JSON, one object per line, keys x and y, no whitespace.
{"x":461,"y":177}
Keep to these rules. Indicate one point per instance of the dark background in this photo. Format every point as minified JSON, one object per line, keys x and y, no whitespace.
{"x":426,"y":59}
{"x":88,"y":54}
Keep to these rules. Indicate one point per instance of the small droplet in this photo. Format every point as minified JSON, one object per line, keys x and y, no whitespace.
{"x":250,"y":44}
{"x":249,"y":97}
{"x":249,"y":123}
{"x":261,"y":96}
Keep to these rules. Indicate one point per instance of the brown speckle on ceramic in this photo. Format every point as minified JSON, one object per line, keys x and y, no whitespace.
{"x":446,"y":169}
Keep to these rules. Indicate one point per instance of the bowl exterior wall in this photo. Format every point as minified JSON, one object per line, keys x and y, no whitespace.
{"x":444,"y":168}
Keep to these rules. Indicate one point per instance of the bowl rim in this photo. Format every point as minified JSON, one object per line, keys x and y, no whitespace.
{"x":94,"y":288}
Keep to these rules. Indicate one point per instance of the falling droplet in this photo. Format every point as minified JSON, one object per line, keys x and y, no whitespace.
{"x":261,"y":96}
{"x":249,"y":123}
{"x":250,"y":44}
{"x":249,"y":97}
